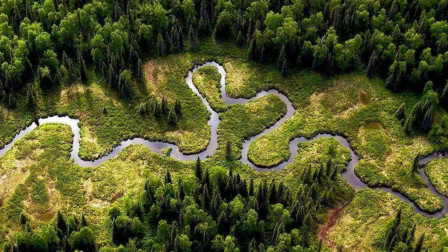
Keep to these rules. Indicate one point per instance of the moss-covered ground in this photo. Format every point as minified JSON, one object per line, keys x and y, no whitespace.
{"x":437,"y":171}
{"x":38,"y":178}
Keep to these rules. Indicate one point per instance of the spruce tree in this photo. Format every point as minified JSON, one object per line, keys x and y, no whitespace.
{"x":168,"y":179}
{"x":281,"y":59}
{"x":161,"y":48}
{"x":164,"y":106}
{"x":262,"y":54}
{"x":82,"y":68}
{"x":419,"y":244}
{"x":400,"y":113}
{"x":172,"y":118}
{"x":30,"y":96}
{"x":253,"y":50}
{"x":177,"y":107}
{"x":251,"y":187}
{"x":191,"y":38}
{"x":228,"y":150}
{"x":206,"y":178}
{"x":239,"y":39}
{"x":427,"y":119}
{"x":61,"y":224}
{"x":198,"y":169}
{"x":284,"y":70}
{"x":443,"y":99}
{"x":273,"y":193}
{"x":371,"y":66}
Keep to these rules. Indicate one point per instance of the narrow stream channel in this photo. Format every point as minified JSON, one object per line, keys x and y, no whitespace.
{"x":157,"y":146}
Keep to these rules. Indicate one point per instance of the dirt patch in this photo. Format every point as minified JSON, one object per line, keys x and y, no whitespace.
{"x":332,"y":217}
{"x":364,"y":97}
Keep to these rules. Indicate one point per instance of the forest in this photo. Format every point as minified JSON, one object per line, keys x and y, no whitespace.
{"x":371,"y":72}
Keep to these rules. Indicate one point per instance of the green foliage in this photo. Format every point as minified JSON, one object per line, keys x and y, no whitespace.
{"x":221,"y":213}
{"x":51,"y":238}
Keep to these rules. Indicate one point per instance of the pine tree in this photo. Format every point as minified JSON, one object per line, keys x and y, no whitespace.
{"x":177,"y":107}
{"x":228,"y":150}
{"x":161,"y":48}
{"x":83,"y":221}
{"x":284,"y":70}
{"x":262,"y":54}
{"x":205,"y":197}
{"x":82,"y":68}
{"x":371,"y":66}
{"x":251,"y":187}
{"x":164,"y":106}
{"x":419,"y":245}
{"x":281,"y":59}
{"x":191,"y":38}
{"x":273,"y":193}
{"x":61,"y":224}
{"x":156,"y":110}
{"x":168,"y":179}
{"x":172,"y":118}
{"x":400,"y":114}
{"x":239,"y":39}
{"x":142,"y":108}
{"x":11,"y":101}
{"x":427,"y":119}
{"x":206,"y":178}
{"x":30,"y":96}
{"x":198,"y":169}
{"x":23,"y":218}
{"x":443,"y":99}
{"x":253,"y":50}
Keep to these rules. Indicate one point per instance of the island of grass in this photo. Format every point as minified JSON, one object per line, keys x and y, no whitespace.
{"x":437,"y":171}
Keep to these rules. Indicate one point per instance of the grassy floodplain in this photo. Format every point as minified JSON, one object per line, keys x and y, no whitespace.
{"x":38,"y":178}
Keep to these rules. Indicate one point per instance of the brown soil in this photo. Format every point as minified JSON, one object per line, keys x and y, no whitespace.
{"x":332,"y":217}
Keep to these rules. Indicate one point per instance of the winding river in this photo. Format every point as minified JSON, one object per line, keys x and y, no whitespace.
{"x":157,"y":146}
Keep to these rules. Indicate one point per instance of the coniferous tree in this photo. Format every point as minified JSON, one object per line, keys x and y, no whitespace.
{"x":251,"y":187}
{"x":443,"y":98}
{"x":228,"y":150}
{"x":400,"y":114}
{"x":177,"y":107}
{"x":23,"y":218}
{"x":284,"y":68}
{"x":161,"y":47}
{"x":172,"y":118}
{"x":30,"y":100}
{"x":239,"y":39}
{"x":198,"y":169}
{"x":168,"y":179}
{"x":82,"y":68}
{"x":262,"y":54}
{"x":206,"y":178}
{"x":419,"y":244}
{"x":191,"y":38}
{"x":61,"y":224}
{"x":281,"y":59}
{"x":164,"y":106}
{"x":272,"y":193}
{"x":253,"y":49}
{"x":427,"y":119}
{"x":371,"y":66}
